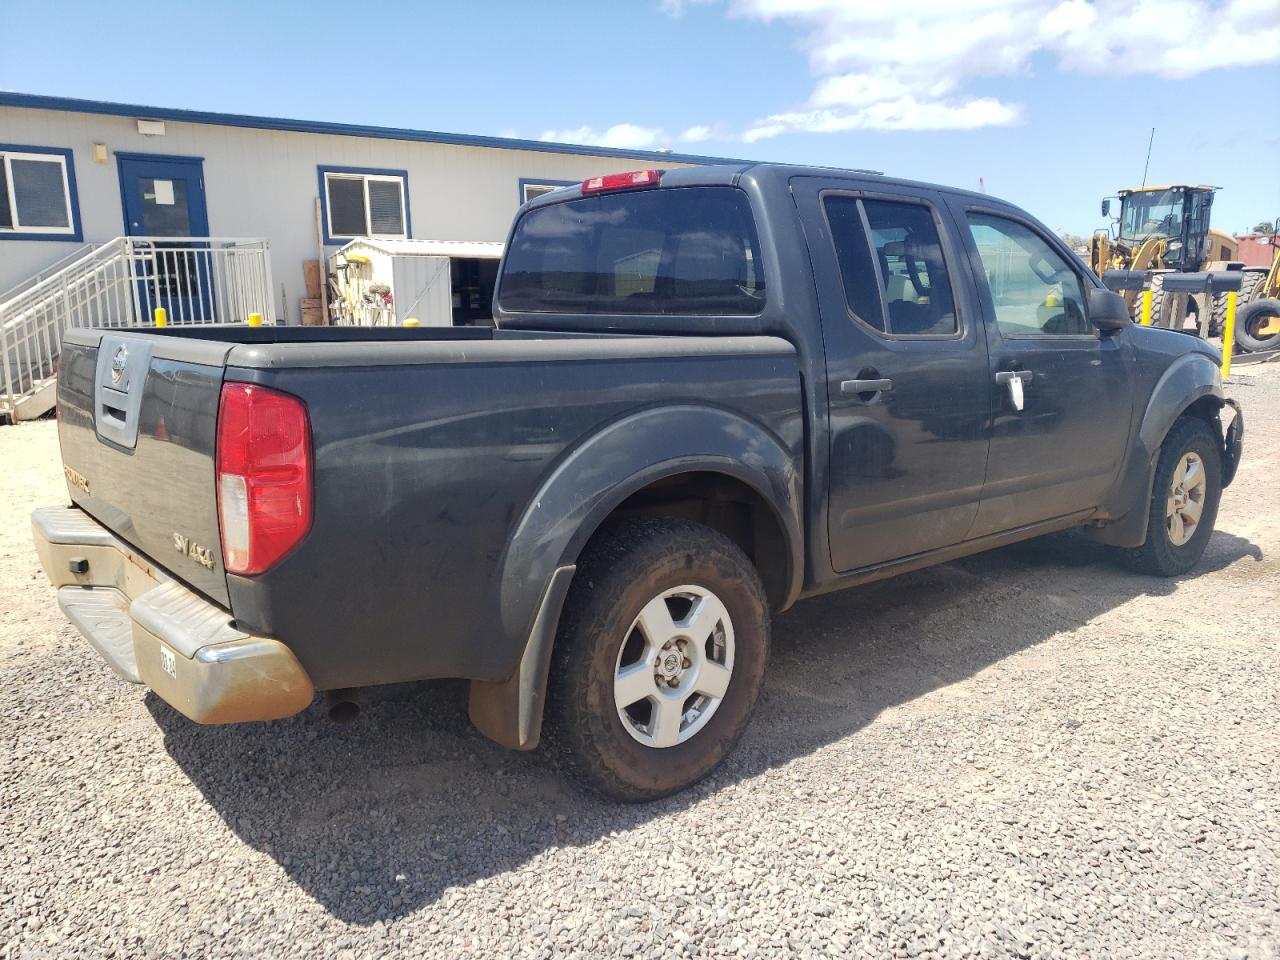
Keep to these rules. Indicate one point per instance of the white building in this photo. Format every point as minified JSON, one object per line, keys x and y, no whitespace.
{"x":76,"y":172}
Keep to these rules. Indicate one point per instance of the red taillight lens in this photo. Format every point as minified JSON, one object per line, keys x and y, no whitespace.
{"x":264,"y":476}
{"x":622,"y":181}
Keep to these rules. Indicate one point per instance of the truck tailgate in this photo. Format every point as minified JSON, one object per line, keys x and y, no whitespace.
{"x":137,"y":424}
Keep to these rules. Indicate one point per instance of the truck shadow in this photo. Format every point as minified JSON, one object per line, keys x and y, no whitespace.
{"x":378,"y":818}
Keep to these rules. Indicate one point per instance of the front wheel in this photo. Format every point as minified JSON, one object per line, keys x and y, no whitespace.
{"x":1184,"y":501}
{"x":659,"y":658}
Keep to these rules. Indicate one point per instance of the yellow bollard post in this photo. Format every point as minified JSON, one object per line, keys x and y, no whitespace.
{"x":162,"y":317}
{"x":411,"y":322}
{"x":1146,"y":308}
{"x":1228,"y":334}
{"x":255,"y":319}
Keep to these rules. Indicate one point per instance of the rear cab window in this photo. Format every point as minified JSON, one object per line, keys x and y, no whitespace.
{"x":686,"y":250}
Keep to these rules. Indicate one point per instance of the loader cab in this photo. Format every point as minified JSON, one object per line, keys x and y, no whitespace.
{"x":1179,"y":215}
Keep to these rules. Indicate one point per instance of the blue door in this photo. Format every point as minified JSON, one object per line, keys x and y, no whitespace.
{"x":164,"y":197}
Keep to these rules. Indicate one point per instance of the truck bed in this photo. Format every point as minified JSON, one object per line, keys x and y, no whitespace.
{"x":431,"y":448}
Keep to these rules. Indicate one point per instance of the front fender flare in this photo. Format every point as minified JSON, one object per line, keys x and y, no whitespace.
{"x":1191,"y":377}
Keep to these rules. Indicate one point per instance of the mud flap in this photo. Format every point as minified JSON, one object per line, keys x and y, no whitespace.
{"x":1232,"y":444}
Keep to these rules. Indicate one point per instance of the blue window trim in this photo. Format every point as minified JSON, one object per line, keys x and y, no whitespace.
{"x":541,"y":182}
{"x":329,"y":239}
{"x":77,"y":233}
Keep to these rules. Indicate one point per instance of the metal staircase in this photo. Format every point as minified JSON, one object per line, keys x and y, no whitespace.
{"x":120,"y":284}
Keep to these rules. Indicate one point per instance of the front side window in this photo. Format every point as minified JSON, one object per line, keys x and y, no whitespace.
{"x":1034,"y":291}
{"x":690,"y":251}
{"x":35,"y":193}
{"x":366,"y":204}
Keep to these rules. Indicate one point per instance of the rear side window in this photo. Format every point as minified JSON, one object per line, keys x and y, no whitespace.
{"x":890,"y":257}
{"x":691,"y":250}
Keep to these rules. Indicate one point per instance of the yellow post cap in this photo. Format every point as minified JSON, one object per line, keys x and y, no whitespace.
{"x":255,"y":319}
{"x":161,"y":317}
{"x":1052,"y":300}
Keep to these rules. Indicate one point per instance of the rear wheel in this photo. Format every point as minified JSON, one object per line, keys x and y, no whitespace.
{"x":1184,"y":501}
{"x":659,"y":658}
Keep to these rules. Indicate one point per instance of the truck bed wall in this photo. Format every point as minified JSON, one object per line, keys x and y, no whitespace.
{"x":427,"y":456}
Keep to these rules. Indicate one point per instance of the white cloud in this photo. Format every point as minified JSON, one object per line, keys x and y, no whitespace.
{"x":697,"y":134}
{"x":623,"y":135}
{"x":881,"y":66}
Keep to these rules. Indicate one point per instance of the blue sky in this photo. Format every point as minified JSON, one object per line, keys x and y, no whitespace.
{"x":1050,"y":102}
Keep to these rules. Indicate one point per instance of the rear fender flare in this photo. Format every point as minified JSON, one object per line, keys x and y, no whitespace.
{"x":625,"y":456}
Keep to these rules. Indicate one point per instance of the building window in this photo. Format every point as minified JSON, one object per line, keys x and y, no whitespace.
{"x":531,"y":189}
{"x":364,"y":203}
{"x":37,"y":194}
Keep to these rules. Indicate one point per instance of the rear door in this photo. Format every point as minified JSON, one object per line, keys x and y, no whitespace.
{"x":1058,"y":451}
{"x":906,"y":372}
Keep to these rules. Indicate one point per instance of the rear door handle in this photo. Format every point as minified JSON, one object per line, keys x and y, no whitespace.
{"x":866,"y":386}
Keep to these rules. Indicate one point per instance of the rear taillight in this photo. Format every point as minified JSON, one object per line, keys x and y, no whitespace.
{"x":264,"y":476}
{"x":622,"y":181}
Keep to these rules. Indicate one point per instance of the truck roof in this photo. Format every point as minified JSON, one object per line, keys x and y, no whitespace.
{"x":727,"y":174}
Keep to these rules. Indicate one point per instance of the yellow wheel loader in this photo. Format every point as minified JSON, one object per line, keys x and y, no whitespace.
{"x":1161,"y":230}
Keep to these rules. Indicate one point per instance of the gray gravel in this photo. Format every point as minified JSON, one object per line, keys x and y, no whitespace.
{"x":1025,"y":754}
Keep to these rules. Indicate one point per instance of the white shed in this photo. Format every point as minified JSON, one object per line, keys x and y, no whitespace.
{"x":439,"y":283}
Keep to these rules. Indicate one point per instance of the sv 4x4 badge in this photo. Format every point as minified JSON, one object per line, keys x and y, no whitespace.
{"x":188,"y":547}
{"x":76,"y":479}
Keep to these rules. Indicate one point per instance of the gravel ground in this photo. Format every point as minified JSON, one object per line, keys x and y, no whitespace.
{"x":1028,"y":753}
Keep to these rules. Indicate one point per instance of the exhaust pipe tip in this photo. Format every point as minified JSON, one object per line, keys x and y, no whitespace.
{"x":342,"y":705}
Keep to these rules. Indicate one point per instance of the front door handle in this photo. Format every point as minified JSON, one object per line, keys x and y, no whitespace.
{"x":1014,"y":379}
{"x":1006,"y":376}
{"x":866,"y":386}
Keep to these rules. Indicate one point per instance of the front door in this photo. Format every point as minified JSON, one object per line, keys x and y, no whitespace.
{"x":164,"y":197}
{"x":1060,"y":393}
{"x":906,"y":373}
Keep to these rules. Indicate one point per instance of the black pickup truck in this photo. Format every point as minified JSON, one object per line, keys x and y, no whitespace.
{"x":710,"y":393}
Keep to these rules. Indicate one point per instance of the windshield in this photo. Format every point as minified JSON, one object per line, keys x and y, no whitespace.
{"x":1154,"y":213}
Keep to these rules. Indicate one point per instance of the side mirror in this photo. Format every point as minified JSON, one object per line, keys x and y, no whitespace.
{"x":1106,"y":208}
{"x":1107,"y":310}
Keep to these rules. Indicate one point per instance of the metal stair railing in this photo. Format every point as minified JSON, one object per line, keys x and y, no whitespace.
{"x":120,"y":284}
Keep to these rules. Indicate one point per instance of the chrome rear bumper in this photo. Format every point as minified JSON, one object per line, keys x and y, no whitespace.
{"x":151,"y":629}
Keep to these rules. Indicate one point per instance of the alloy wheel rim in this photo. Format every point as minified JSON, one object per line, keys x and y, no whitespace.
{"x":674,"y":666}
{"x":1185,"y":503}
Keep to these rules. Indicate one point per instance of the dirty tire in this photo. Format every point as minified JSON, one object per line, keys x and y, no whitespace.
{"x":624,"y":567}
{"x":1249,"y":319}
{"x":1160,"y":556}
